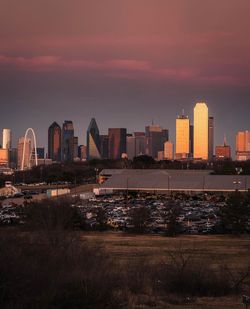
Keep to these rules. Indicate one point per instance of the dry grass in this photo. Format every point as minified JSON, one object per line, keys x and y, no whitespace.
{"x":215,"y":249}
{"x":231,"y":250}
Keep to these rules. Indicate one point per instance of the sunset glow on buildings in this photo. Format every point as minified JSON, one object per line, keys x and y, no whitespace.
{"x":182,"y":137}
{"x":201,"y":131}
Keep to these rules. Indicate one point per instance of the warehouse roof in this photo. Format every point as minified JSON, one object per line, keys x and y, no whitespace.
{"x":174,"y":180}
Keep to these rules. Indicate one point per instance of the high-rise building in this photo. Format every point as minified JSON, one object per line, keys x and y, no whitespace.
{"x":160,"y":156}
{"x":140,"y":143}
{"x":243,"y":146}
{"x":76,"y":148}
{"x":182,"y":137}
{"x":40,"y":152}
{"x":155,"y":139}
{"x":210,"y":138}
{"x":54,"y":142}
{"x":168,"y":150}
{"x":104,"y":146}
{"x":117,"y":142}
{"x":67,"y":141}
{"x":191,"y":135}
{"x":4,"y":157}
{"x":131,"y":146}
{"x":27,"y":152}
{"x":201,"y":131}
{"x":13,"y":158}
{"x":93,"y":141}
{"x":6,"y":139}
{"x":223,"y":152}
{"x":82,"y":152}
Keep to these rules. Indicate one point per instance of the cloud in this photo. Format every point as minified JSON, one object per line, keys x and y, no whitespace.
{"x":128,"y":68}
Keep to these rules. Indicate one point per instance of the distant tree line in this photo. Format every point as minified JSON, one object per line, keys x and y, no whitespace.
{"x":85,"y":172}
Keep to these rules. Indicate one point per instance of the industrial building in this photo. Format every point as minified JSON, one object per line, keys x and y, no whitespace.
{"x":165,"y":181}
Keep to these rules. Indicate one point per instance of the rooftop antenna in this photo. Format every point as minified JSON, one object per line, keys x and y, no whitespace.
{"x":183,"y":112}
{"x":152,"y":122}
{"x":225,"y":140}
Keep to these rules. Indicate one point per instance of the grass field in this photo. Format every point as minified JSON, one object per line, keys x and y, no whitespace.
{"x":218,"y":250}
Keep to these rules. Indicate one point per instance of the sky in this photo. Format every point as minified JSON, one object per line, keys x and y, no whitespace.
{"x":125,"y":62}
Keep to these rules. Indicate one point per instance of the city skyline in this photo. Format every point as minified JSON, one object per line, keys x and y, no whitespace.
{"x":82,"y":140}
{"x":124,"y":63}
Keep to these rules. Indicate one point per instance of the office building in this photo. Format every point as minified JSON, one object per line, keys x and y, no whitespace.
{"x":131,"y":146}
{"x":222,"y":152}
{"x":93,"y":141}
{"x":104,"y":146}
{"x":243,"y":146}
{"x":6,"y":139}
{"x":4,"y":157}
{"x":201,"y":131}
{"x":54,"y":142}
{"x":210,"y":138}
{"x":140,"y":143}
{"x":168,"y":151}
{"x":67,"y":141}
{"x":117,"y":142}
{"x":40,"y":152}
{"x":13,"y":155}
{"x":160,"y":156}
{"x":182,"y":137}
{"x":82,"y":152}
{"x":76,"y":148}
{"x":191,"y":136}
{"x":24,"y":152}
{"x":155,"y":139}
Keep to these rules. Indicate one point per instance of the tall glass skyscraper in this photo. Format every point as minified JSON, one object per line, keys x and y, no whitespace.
{"x":201,"y":131}
{"x":117,"y":142}
{"x":54,"y":142}
{"x":67,"y":141}
{"x":210,"y":138}
{"x":93,"y":141}
{"x":182,"y":137}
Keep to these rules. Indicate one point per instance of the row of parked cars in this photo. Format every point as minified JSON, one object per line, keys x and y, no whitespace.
{"x":197,"y":214}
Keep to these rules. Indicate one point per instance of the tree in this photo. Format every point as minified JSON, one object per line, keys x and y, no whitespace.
{"x":143,"y":161}
{"x":171,"y":215}
{"x":101,"y":218}
{"x":139,"y":218}
{"x":236,"y":213}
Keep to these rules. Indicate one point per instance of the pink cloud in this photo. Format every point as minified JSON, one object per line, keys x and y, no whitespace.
{"x":124,"y":68}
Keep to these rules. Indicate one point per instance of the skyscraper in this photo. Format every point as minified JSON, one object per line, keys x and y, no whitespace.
{"x":201,"y":131}
{"x":168,"y":150}
{"x":140,"y":143}
{"x":117,"y":142}
{"x":54,"y":142}
{"x":182,"y":137}
{"x":6,"y":139}
{"x":6,"y":147}
{"x":130,"y":146}
{"x":67,"y":141}
{"x":75,"y":156}
{"x":104,"y":146}
{"x":93,"y":141}
{"x":82,"y":152}
{"x":155,"y":139}
{"x":27,"y":153}
{"x":210,"y":138}
{"x":243,"y":146}
{"x":191,"y":136}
